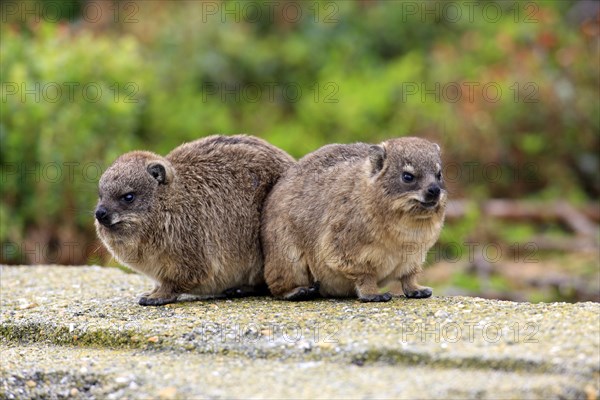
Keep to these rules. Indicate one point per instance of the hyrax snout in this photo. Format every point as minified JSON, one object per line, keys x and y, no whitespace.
{"x":348,"y":220}
{"x":191,"y":220}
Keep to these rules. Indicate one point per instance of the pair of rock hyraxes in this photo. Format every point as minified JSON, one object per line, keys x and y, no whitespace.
{"x":222,"y":215}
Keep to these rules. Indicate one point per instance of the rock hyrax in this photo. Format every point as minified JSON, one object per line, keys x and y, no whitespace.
{"x":191,"y":220}
{"x":349,"y":219}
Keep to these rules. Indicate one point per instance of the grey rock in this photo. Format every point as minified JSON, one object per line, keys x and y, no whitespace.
{"x":78,"y":332}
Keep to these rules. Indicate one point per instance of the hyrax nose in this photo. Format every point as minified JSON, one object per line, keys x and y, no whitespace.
{"x":433,"y":192}
{"x":102,"y":215}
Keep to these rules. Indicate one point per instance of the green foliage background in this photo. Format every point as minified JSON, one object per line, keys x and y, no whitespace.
{"x":343,"y":71}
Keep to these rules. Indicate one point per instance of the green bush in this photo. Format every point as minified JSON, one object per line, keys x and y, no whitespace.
{"x":361,"y":68}
{"x":70,"y":104}
{"x":539,"y":138}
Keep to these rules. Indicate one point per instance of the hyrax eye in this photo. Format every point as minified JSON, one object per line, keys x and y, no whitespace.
{"x":438,"y":176}
{"x":128,"y":198}
{"x":408,"y":177}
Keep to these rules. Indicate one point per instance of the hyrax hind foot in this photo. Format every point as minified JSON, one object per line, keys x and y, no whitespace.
{"x":246,"y":291}
{"x":368,"y":291}
{"x":157,"y":301}
{"x":157,"y":297}
{"x":412,"y":289}
{"x":304,"y":293}
{"x":375,"y":297}
{"x":421,"y":293}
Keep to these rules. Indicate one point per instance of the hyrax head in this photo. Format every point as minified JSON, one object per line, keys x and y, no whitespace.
{"x":127,"y":192}
{"x":408,"y":171}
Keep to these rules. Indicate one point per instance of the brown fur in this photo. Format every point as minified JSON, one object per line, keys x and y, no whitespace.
{"x":194,"y":224}
{"x":341,"y":222}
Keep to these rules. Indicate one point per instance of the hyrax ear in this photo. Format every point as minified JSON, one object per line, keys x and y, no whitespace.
{"x":162,"y":171}
{"x":437,"y":147}
{"x":376,"y":158}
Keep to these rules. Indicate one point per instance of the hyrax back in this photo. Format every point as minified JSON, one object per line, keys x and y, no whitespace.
{"x":348,"y":219}
{"x":190,"y":220}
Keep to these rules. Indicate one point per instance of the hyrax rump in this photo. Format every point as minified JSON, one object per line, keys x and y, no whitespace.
{"x":348,"y":219}
{"x":191,"y":220}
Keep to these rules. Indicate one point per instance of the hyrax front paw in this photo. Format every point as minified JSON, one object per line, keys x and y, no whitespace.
{"x":375,"y":297}
{"x":156,"y":301}
{"x":421,"y":293}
